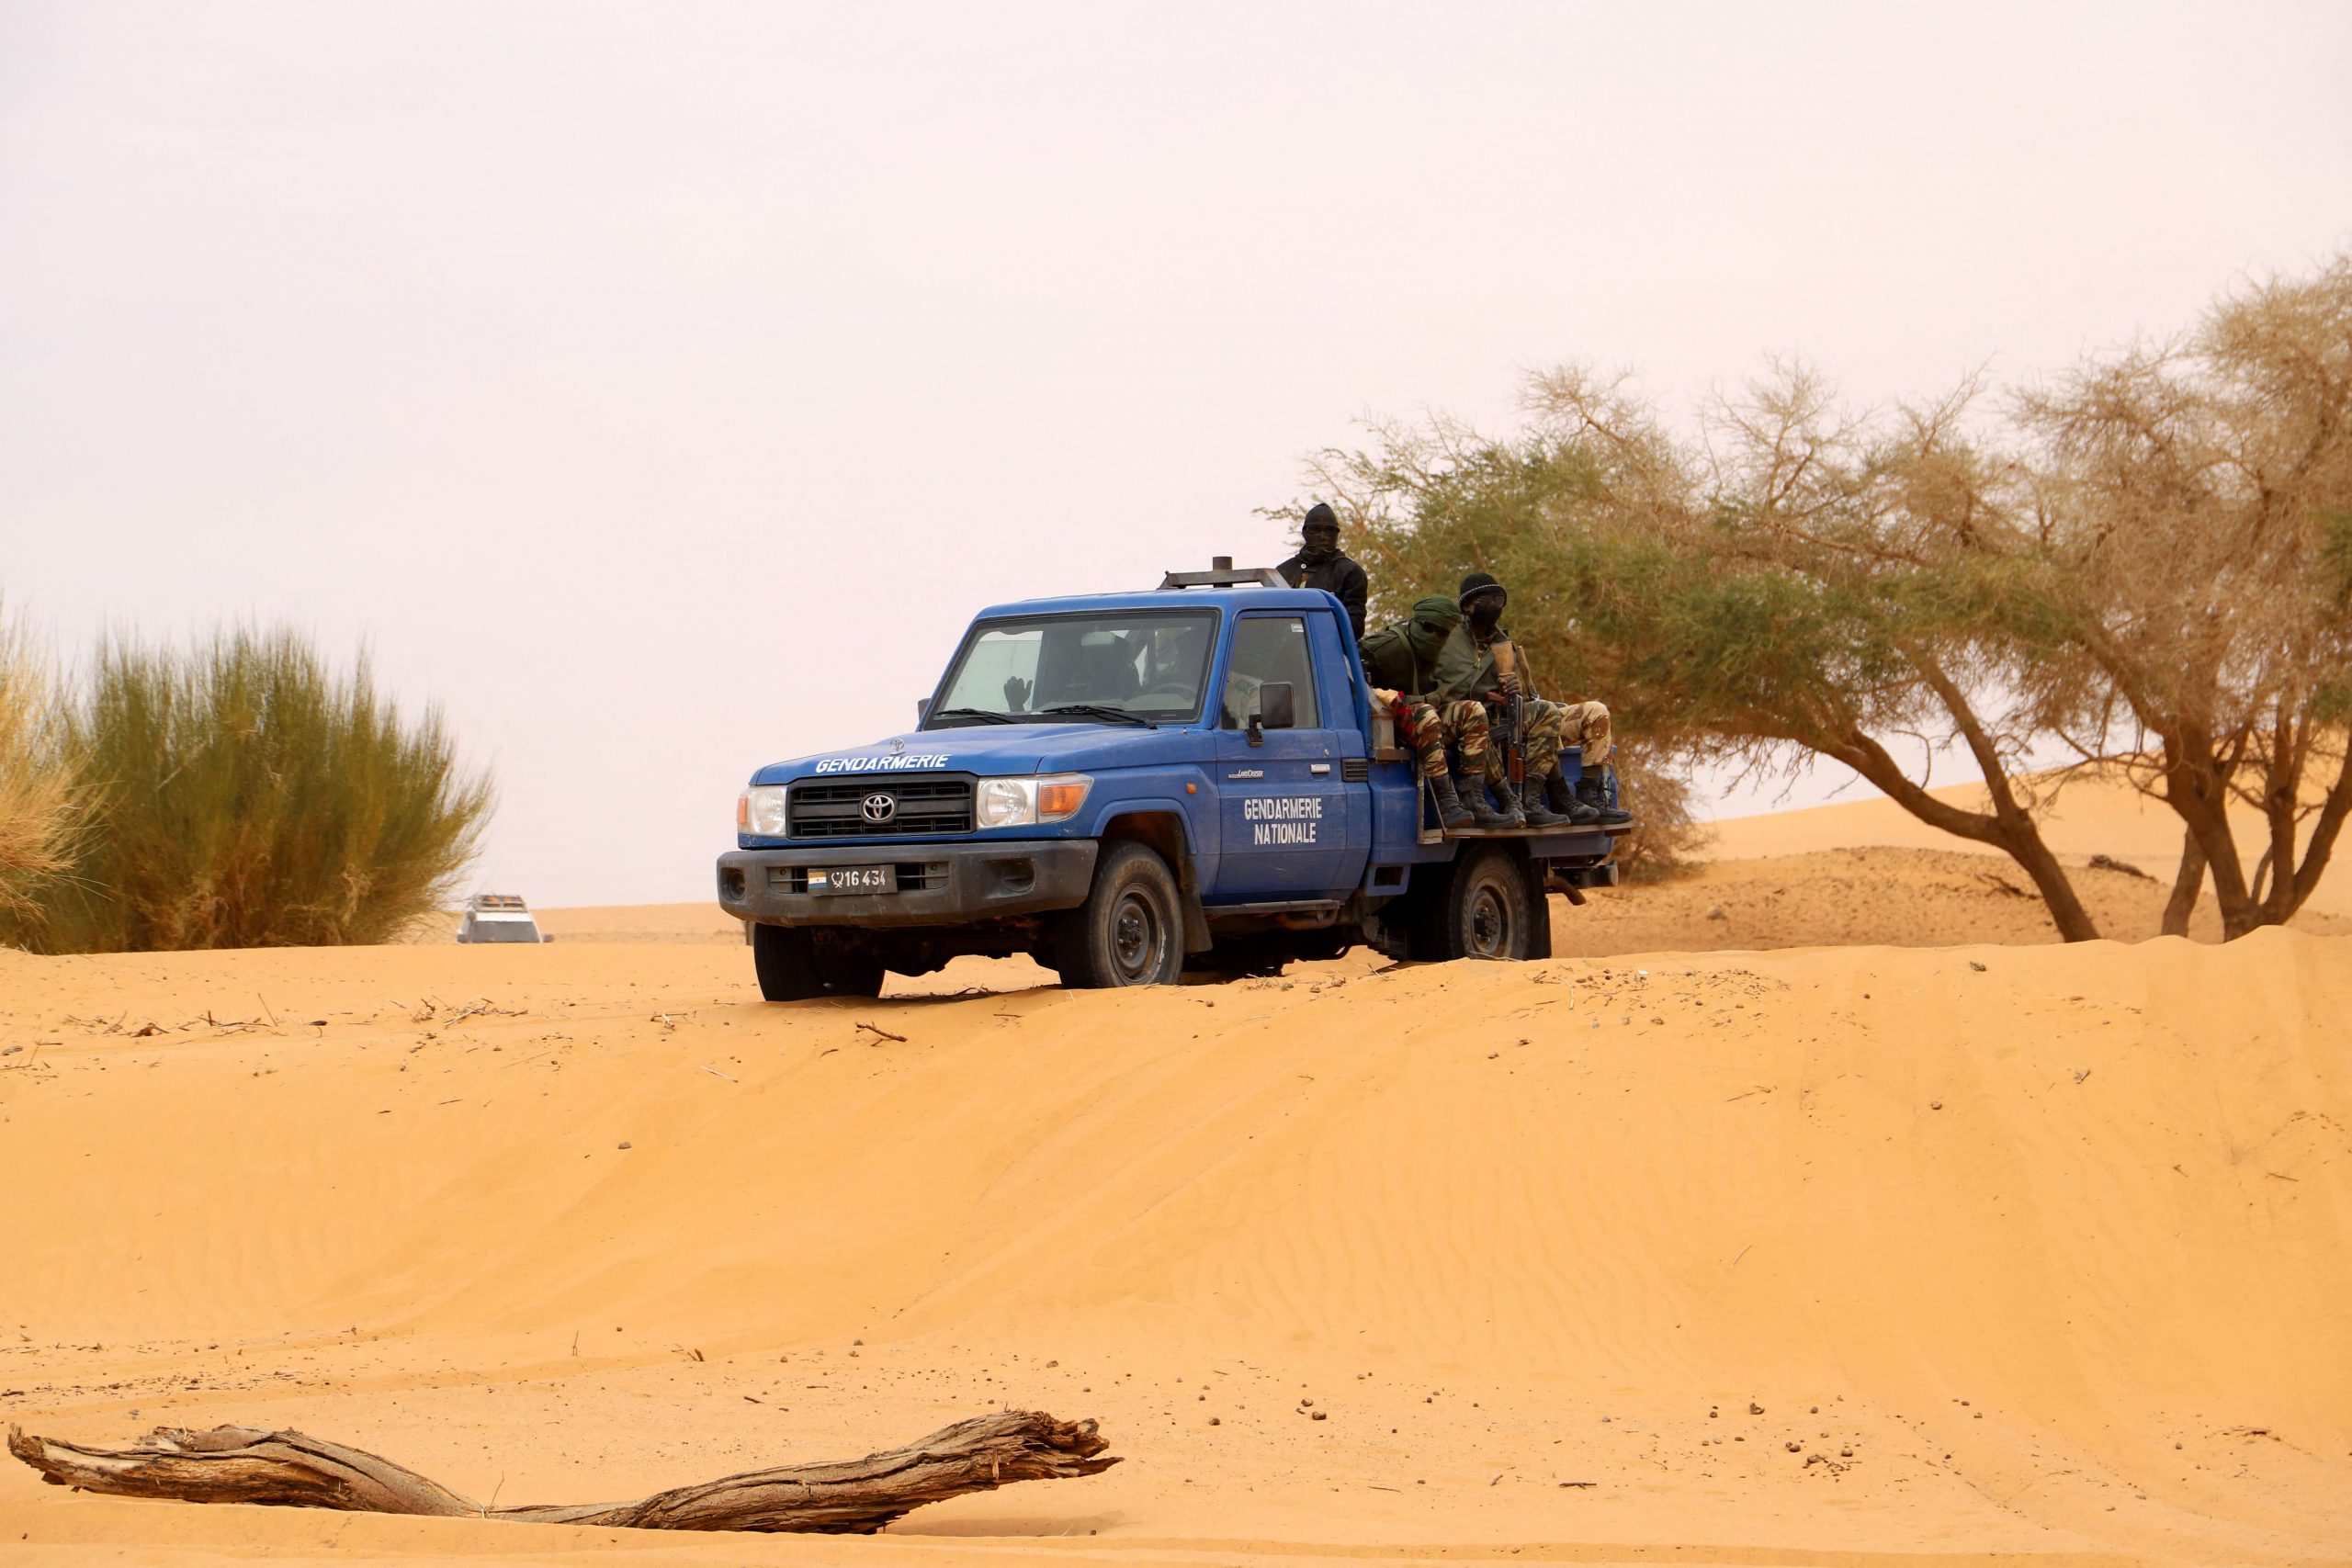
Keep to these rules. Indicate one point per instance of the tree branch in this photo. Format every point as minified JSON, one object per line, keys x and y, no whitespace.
{"x":2322,"y":842}
{"x":1876,"y":765}
{"x":2187,"y":883}
{"x":244,"y":1464}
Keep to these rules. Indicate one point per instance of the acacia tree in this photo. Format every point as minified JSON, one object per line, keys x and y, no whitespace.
{"x":2196,"y":498}
{"x":1430,"y":504}
{"x":1804,"y":582}
{"x":2149,"y":563}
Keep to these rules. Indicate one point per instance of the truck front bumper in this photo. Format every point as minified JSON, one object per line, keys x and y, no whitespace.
{"x":939,"y":885}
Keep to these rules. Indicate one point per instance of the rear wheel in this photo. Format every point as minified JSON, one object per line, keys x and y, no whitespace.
{"x":1130,"y":931}
{"x":795,"y":964}
{"x":1484,"y":910}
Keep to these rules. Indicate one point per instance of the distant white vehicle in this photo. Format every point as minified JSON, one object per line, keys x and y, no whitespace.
{"x":499,"y":917}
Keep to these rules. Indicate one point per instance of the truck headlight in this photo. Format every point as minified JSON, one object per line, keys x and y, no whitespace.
{"x":760,"y":813}
{"x":1024,"y":803}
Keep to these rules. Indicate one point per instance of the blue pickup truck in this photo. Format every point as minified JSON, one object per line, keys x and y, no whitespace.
{"x":1130,"y":787}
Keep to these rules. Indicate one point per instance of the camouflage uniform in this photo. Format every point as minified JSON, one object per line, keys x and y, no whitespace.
{"x":1467,"y":668}
{"x":1461,"y":724}
{"x":1550,"y":725}
{"x":1401,"y":659}
{"x":1585,"y":725}
{"x":1540,"y":725}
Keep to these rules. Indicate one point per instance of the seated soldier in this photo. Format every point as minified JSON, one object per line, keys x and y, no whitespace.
{"x":1467,"y":668}
{"x":1400,"y":662}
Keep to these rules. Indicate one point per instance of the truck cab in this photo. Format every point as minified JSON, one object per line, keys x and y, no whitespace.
{"x":1126,"y":786}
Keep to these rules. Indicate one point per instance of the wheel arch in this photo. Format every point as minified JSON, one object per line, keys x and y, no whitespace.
{"x":1163,"y":830}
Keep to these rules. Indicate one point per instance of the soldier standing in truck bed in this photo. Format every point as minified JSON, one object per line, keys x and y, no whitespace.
{"x":1402,"y":658}
{"x":1320,"y":564}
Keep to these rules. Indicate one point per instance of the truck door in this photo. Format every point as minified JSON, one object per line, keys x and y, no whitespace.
{"x":1282,"y":803}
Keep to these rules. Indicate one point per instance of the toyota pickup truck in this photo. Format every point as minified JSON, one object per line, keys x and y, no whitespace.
{"x":1130,"y":788}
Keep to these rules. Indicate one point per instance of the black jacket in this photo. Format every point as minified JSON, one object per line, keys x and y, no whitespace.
{"x":1340,"y":577}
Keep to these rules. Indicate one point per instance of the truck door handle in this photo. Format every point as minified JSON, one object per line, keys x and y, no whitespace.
{"x":1318,"y":769}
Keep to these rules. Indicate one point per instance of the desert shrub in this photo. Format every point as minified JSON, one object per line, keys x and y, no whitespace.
{"x":36,"y":814}
{"x":244,"y":795}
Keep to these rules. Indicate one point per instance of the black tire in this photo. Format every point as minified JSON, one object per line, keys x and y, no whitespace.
{"x":795,"y":966}
{"x":1483,"y":910}
{"x":1130,"y":931}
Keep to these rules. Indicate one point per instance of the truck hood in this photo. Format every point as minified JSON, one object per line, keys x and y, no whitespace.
{"x":1002,"y":748}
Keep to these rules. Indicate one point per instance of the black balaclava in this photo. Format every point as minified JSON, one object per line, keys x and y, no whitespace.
{"x":1485,"y":612}
{"x":1319,"y":534}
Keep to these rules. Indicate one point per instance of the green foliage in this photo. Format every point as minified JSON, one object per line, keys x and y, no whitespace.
{"x":38,"y":812}
{"x":1804,"y":583}
{"x":1425,"y":524}
{"x":1666,"y":835}
{"x":2331,"y":703}
{"x":2335,"y":558}
{"x":246,"y":797}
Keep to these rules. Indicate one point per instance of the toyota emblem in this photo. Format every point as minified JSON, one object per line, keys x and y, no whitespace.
{"x":877,"y":808}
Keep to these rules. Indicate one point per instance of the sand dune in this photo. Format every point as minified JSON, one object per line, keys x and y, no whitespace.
{"x":2053,"y":1240}
{"x":1909,"y":897}
{"x":2083,"y":817}
{"x":2017,"y":1251}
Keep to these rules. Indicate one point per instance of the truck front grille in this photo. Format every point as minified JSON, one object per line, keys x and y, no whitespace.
{"x":837,"y":809}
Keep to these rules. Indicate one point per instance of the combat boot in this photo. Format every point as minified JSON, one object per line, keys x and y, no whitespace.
{"x":1539,"y":814}
{"x":1588,"y":790}
{"x":1509,"y":816}
{"x":1473,"y":792}
{"x":1565,"y":802}
{"x":1451,"y":813}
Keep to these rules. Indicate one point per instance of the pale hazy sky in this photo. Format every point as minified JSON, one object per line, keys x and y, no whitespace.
{"x":661,"y":387}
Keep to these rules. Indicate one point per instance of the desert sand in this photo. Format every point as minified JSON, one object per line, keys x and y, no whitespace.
{"x":1890,"y":1252}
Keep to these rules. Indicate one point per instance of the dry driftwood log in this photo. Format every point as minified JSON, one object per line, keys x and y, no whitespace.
{"x":244,"y":1464}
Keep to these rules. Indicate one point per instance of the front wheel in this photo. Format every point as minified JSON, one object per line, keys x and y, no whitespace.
{"x":795,"y":966}
{"x":1130,"y":931}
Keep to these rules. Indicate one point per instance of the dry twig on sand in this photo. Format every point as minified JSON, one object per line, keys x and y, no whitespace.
{"x":244,"y":1464}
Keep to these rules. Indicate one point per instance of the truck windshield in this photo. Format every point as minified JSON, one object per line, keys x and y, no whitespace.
{"x":1144,"y":664}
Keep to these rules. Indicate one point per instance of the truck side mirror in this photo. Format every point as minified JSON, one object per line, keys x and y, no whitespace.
{"x":923,"y":711}
{"x":1277,"y":709}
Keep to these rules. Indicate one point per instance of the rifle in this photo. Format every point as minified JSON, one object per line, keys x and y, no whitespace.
{"x":1514,"y":755}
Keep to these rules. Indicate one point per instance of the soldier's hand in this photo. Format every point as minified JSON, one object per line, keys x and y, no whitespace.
{"x":1016,"y":694}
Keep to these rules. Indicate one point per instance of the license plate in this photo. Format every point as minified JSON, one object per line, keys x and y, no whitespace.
{"x":854,"y":879}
